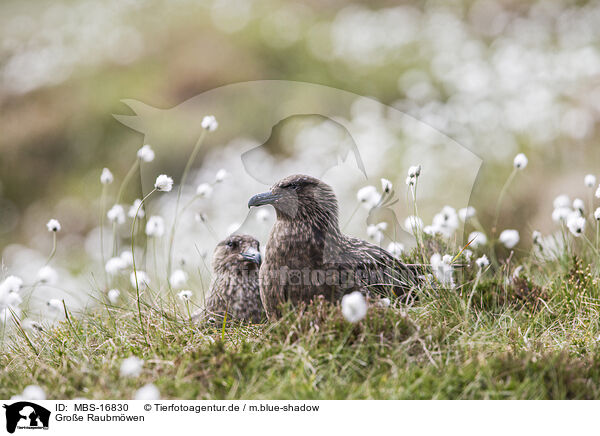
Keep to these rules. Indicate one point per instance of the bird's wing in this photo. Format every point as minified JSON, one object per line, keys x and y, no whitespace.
{"x":388,"y":271}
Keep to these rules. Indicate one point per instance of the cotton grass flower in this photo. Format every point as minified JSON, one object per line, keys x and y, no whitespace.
{"x":113,"y":295}
{"x":163,"y":183}
{"x":148,"y":392}
{"x":55,"y":305}
{"x":598,"y":192}
{"x":135,"y":208}
{"x":589,"y":180}
{"x":579,"y":205}
{"x":537,"y":237}
{"x":509,"y":238}
{"x":146,"y":154}
{"x":143,"y":279}
{"x":386,"y":186}
{"x":155,"y":227}
{"x":184,"y":295}
{"x":354,"y":307}
{"x":209,"y":123}
{"x":520,"y":161}
{"x":477,"y":239}
{"x":561,"y":214}
{"x":204,"y":190}
{"x":446,"y":222}
{"x":116,"y":214}
{"x":375,"y":231}
{"x":47,"y":275}
{"x":395,"y":249}
{"x":441,"y":267}
{"x":368,"y":197}
{"x":53,"y":225}
{"x":466,"y":213}
{"x":413,"y":174}
{"x":114,"y":266}
{"x":413,"y":224}
{"x":384,"y":302}
{"x":127,"y":258}
{"x":11,"y":284}
{"x":562,"y":201}
{"x":414,"y":171}
{"x":482,"y":262}
{"x":106,"y":178}
{"x":131,"y":367}
{"x":178,"y":279}
{"x":576,"y":224}
{"x":221,"y":175}
{"x":597,"y":214}
{"x":33,"y":393}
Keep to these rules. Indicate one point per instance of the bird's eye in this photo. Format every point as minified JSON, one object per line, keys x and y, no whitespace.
{"x":232,"y":244}
{"x":291,"y":186}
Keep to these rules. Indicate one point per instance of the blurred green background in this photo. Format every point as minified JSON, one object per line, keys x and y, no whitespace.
{"x":499,"y":77}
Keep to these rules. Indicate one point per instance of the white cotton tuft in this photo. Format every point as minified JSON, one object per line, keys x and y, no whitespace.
{"x":133,"y":209}
{"x":209,"y":122}
{"x":164,"y":183}
{"x":178,"y":279}
{"x":509,"y":238}
{"x":113,"y":295}
{"x":131,"y":367}
{"x":106,"y":178}
{"x":221,"y":175}
{"x":148,"y":392}
{"x":143,"y":280}
{"x":146,"y":154}
{"x":53,"y":225}
{"x":204,"y":190}
{"x":368,"y":197}
{"x":395,"y":249}
{"x":354,"y":306}
{"x":520,"y":161}
{"x":185,"y":295}
{"x":116,"y":214}
{"x":589,"y":180}
{"x":47,"y":275}
{"x":483,"y":261}
{"x":155,"y":227}
{"x":33,"y":393}
{"x":442,"y":269}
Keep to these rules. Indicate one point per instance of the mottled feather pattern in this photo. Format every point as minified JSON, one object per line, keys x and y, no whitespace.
{"x":235,"y":287}
{"x":307,"y":255}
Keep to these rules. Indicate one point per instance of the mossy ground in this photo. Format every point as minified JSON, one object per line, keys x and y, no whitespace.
{"x":533,"y":337}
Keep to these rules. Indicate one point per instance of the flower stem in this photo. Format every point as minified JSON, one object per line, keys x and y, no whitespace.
{"x":53,"y":249}
{"x":126,"y":180}
{"x":501,"y":198}
{"x":183,"y":180}
{"x":137,"y":287}
{"x":103,"y":211}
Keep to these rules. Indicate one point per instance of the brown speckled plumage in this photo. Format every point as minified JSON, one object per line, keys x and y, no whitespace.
{"x":234,"y":287}
{"x":306,"y":239}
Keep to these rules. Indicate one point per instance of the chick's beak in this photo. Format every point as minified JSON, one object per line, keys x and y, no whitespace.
{"x":253,"y":255}
{"x":262,"y":199}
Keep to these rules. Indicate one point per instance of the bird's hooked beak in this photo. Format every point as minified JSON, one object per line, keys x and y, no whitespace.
{"x":262,"y":199}
{"x":253,"y":255}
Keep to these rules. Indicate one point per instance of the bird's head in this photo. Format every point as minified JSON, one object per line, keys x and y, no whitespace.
{"x":237,"y":251}
{"x":300,"y":197}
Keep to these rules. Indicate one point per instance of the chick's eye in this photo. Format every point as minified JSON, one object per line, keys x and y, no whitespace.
{"x":231,"y":244}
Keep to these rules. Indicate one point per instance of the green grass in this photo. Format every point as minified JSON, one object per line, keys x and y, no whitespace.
{"x":534,"y":338}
